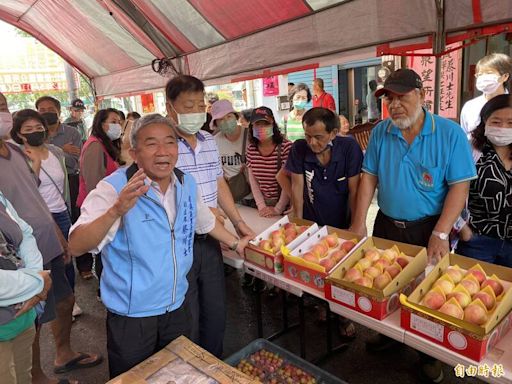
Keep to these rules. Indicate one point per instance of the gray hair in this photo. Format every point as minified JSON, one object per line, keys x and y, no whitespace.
{"x":144,"y":121}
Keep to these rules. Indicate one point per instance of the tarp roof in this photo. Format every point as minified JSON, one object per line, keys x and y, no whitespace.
{"x":113,"y":42}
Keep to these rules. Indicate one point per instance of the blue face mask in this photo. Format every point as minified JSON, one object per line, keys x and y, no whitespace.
{"x":300,"y":104}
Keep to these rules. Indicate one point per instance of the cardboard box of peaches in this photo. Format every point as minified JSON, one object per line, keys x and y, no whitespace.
{"x":265,"y":251}
{"x":310,"y":263}
{"x":463,"y":304}
{"x":370,"y":280}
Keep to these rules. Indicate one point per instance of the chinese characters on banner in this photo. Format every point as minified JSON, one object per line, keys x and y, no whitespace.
{"x":270,"y":86}
{"x":425,"y":66}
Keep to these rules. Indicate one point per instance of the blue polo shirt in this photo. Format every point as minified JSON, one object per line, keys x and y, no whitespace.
{"x":326,"y":188}
{"x":413,"y":180}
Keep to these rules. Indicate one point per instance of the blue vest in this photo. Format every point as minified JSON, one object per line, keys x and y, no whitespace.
{"x":145,"y":266}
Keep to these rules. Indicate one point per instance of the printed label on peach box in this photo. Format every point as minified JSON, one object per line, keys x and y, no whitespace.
{"x":343,"y":296}
{"x":427,"y":327}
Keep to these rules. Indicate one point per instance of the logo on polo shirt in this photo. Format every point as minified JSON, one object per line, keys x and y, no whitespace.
{"x":427,"y":180}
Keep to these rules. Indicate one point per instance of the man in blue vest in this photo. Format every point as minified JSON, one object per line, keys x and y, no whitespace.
{"x":143,"y":220}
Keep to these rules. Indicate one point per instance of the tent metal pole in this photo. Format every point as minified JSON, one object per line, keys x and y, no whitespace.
{"x":439,"y":46}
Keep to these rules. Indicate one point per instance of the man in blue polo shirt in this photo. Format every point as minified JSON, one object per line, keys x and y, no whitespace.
{"x":422,"y":164}
{"x":324,"y":170}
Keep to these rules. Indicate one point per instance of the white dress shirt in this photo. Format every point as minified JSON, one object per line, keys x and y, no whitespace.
{"x":104,"y":196}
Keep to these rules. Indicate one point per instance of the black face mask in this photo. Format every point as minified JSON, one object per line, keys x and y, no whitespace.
{"x":50,"y":117}
{"x":35,"y":139}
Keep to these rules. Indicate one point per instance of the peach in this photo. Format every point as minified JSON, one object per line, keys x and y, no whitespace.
{"x":327,"y":263}
{"x":402,"y":261}
{"x":495,"y":286}
{"x":302,"y":229}
{"x":277,"y":233}
{"x":383,"y":262}
{"x":486,"y":299}
{"x":372,"y":254}
{"x":480,"y":276}
{"x":475,"y":314}
{"x":364,"y":263}
{"x":382,"y":281}
{"x":348,"y":245}
{"x":462,"y":298}
{"x":320,"y":249}
{"x":373,"y":272}
{"x":311,"y":257}
{"x":445,"y":284}
{"x":289,"y":239}
{"x":338,"y":255}
{"x":290,"y":226}
{"x":364,"y":281}
{"x":290,"y":232}
{"x":434,"y":299}
{"x":393,"y":270}
{"x":331,"y":240}
{"x":452,"y":309}
{"x":266,"y":245}
{"x":470,"y":285}
{"x":455,"y":274}
{"x":277,"y":242}
{"x":390,"y":254}
{"x":353,"y":274}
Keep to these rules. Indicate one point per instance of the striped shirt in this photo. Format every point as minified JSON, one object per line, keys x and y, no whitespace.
{"x":203,"y":163}
{"x":265,"y":168}
{"x":292,"y":128}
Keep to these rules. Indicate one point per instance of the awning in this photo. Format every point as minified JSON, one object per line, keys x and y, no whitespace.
{"x":113,"y":42}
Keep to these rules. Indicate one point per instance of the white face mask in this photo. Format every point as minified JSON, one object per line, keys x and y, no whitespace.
{"x":488,"y":83}
{"x":191,"y":123}
{"x":114,"y":131}
{"x":5,"y":124}
{"x":500,"y":137}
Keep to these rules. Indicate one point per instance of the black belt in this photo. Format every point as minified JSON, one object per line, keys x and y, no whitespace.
{"x":404,"y":224}
{"x":201,"y":237}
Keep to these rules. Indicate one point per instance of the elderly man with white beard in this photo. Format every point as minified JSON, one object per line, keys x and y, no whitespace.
{"x":422,"y":165}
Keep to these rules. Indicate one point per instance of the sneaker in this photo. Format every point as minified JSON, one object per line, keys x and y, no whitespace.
{"x":379,"y":343}
{"x":432,"y":371}
{"x":77,"y":311}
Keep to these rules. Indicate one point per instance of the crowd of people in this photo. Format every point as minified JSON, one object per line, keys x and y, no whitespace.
{"x":168,"y":184}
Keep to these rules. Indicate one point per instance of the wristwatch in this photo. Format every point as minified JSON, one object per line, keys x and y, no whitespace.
{"x":441,"y":235}
{"x":234,"y":246}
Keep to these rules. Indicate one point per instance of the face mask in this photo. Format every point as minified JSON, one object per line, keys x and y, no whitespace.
{"x":5,"y":124}
{"x":191,"y":123}
{"x":500,"y":137}
{"x":51,"y":118}
{"x":487,"y":83}
{"x":263,"y":133}
{"x":35,"y":139}
{"x":228,"y":127}
{"x":300,"y":104}
{"x":114,"y":131}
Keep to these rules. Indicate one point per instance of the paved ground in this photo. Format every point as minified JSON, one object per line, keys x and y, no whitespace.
{"x":353,"y":365}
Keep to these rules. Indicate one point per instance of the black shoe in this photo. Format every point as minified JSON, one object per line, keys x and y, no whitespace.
{"x":432,"y":372}
{"x":379,"y":343}
{"x":248,"y":280}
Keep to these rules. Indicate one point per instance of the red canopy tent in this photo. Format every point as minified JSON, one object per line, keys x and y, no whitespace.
{"x":113,"y":42}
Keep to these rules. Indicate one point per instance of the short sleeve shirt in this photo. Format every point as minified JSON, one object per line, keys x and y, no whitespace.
{"x":230,"y":153}
{"x":203,"y":163}
{"x":67,"y":134}
{"x":414,"y":179}
{"x":265,"y":168}
{"x":326,"y":193}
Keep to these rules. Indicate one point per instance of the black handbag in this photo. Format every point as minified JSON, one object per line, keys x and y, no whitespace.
{"x":9,"y":261}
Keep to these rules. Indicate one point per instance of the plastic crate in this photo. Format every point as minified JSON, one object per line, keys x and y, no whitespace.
{"x":320,"y":375}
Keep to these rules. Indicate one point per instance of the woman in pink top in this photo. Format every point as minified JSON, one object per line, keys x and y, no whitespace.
{"x":99,"y":158}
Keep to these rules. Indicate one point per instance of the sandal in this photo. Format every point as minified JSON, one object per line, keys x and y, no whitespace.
{"x":347,"y":329}
{"x":76,"y":363}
